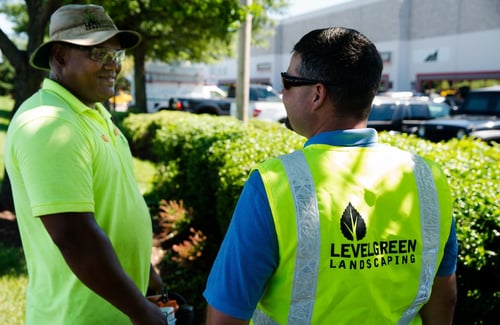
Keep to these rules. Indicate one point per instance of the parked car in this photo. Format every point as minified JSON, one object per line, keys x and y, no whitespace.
{"x":478,"y":117}
{"x":265,"y":103}
{"x":404,"y":114}
{"x":199,"y":105}
{"x":186,"y":97}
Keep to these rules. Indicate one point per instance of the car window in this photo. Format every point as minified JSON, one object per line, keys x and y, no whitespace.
{"x":497,"y":107}
{"x":419,"y":111}
{"x":482,"y":102}
{"x":382,"y":112}
{"x":264,"y":94}
{"x":477,"y":103}
{"x":216,"y":94}
{"x":439,"y":109}
{"x":257,"y":93}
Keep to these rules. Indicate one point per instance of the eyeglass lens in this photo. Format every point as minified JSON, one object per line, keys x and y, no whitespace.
{"x":106,"y":56}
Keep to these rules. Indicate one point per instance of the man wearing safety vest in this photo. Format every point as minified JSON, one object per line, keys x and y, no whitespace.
{"x":346,"y":230}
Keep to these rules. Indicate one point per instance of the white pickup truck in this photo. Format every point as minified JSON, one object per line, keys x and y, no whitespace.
{"x":265,"y":104}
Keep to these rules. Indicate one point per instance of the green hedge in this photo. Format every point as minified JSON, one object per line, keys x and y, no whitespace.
{"x":205,"y":160}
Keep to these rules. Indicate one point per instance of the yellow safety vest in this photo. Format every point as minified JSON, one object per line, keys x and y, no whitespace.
{"x":361,"y":233}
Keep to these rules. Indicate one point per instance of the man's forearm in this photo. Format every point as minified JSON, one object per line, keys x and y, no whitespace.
{"x":90,"y":255}
{"x":440,"y":308}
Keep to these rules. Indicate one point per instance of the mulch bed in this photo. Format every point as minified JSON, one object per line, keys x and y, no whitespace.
{"x":9,"y":233}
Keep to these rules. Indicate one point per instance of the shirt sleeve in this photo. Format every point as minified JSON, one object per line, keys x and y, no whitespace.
{"x":448,"y":264}
{"x":247,"y":257}
{"x":56,"y":162}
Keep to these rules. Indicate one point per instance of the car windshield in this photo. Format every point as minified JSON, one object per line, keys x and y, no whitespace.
{"x":482,"y":102}
{"x":439,"y":109}
{"x":382,"y":112}
{"x":264,"y":94}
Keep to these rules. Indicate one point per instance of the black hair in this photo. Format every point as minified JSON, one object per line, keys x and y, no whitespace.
{"x":347,"y":61}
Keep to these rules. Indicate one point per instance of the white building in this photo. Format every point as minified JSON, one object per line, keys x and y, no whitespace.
{"x":425,"y":44}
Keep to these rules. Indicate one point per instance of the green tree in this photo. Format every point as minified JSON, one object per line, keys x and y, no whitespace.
{"x":6,"y":78}
{"x":175,"y":31}
{"x":172,"y":30}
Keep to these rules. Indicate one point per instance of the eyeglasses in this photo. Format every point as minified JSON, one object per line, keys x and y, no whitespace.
{"x":289,"y":81}
{"x":103,"y":55}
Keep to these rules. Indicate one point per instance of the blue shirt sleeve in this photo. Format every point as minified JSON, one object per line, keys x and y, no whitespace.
{"x":448,"y":264}
{"x":247,"y":257}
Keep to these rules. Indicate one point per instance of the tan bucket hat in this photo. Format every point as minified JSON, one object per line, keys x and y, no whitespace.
{"x":84,"y":25}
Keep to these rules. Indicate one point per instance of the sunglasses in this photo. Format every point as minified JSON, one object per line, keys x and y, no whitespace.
{"x":103,"y":55}
{"x":289,"y":81}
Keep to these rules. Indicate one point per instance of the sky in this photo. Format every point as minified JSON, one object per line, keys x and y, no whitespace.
{"x":5,"y":24}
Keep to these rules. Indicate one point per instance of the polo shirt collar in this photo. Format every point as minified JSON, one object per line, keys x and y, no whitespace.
{"x":366,"y":137}
{"x":75,"y":103}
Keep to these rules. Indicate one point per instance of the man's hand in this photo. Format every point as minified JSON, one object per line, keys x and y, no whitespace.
{"x":151,"y":315}
{"x":155,"y":281}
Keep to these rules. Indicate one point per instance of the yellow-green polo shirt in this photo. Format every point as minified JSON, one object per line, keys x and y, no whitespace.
{"x":62,"y":156}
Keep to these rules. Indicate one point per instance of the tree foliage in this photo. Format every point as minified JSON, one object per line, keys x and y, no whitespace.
{"x":172,"y":30}
{"x":7,"y":78}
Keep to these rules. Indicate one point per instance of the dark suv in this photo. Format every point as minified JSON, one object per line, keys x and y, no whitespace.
{"x":477,"y":117}
{"x":404,"y":114}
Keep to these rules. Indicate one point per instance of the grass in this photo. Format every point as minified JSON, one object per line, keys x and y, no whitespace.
{"x":13,"y":275}
{"x":12,"y":295}
{"x":13,"y":281}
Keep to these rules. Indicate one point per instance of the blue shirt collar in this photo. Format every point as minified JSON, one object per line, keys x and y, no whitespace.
{"x":346,"y":138}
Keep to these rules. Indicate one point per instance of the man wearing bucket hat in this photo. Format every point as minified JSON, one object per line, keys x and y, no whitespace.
{"x":85,"y":227}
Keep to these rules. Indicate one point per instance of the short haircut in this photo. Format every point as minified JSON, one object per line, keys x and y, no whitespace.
{"x":349,"y":64}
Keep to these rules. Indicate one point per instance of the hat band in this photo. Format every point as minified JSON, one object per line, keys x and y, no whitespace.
{"x":99,"y":24}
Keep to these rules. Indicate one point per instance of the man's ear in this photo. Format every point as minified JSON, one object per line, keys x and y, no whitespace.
{"x":319,"y":95}
{"x":58,"y":53}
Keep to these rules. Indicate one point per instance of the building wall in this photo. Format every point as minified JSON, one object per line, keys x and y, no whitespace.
{"x":417,"y":39}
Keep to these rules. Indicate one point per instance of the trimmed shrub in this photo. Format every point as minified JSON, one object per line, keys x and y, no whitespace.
{"x":473,"y":170}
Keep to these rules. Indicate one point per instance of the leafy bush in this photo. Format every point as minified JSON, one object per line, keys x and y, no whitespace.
{"x":205,"y":160}
{"x":473,"y":170}
{"x":11,"y":260}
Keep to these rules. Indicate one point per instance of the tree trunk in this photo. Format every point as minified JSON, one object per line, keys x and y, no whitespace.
{"x":140,"y":78}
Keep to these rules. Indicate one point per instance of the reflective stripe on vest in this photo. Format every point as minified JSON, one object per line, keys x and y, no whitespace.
{"x":308,"y":246}
{"x":430,"y":221}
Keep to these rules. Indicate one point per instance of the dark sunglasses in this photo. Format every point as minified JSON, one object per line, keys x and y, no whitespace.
{"x":288,"y":81}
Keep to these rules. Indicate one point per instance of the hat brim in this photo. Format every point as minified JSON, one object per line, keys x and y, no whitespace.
{"x":128,"y":40}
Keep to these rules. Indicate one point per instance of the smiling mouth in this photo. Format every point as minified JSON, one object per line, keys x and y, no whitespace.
{"x":109,"y":79}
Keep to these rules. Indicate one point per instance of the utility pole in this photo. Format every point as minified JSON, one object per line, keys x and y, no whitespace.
{"x":243,"y":79}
